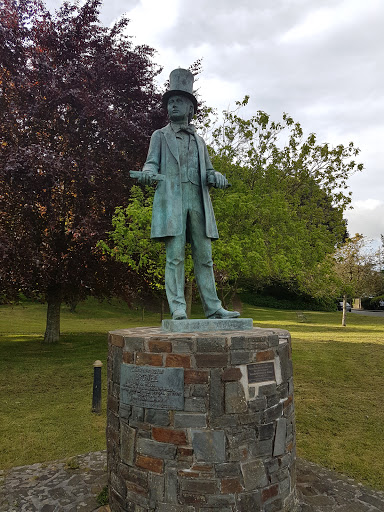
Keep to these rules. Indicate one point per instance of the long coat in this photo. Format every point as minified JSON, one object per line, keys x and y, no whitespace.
{"x":163,"y":158}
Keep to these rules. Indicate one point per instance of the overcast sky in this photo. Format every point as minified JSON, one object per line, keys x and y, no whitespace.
{"x":320,"y":61}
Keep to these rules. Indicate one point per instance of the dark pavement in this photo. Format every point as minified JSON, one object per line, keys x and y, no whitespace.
{"x":73,"y":486}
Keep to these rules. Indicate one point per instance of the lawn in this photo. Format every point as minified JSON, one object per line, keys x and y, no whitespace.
{"x":46,"y":391}
{"x":339,"y":385}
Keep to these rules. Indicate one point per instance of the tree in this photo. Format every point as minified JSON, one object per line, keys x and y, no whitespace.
{"x":284,"y":211}
{"x":281,"y":217}
{"x":130,"y":243}
{"x":78,"y":104}
{"x":356,"y":270}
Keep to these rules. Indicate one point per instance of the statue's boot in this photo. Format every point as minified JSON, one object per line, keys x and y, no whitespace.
{"x":223,"y":313}
{"x":179,"y":314}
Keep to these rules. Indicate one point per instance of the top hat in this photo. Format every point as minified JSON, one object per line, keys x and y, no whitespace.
{"x":181,"y":83}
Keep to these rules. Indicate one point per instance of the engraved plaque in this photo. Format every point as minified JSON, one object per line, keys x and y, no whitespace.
{"x":152,"y":387}
{"x":261,"y":372}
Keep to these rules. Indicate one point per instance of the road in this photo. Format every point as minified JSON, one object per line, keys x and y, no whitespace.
{"x":368,"y":313}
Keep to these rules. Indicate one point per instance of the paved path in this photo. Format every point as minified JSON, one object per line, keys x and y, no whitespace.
{"x":365,"y":312}
{"x":62,"y":486}
{"x":73,"y":486}
{"x":322,"y":490}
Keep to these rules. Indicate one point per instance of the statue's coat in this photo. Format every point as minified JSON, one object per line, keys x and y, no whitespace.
{"x":163,"y":158}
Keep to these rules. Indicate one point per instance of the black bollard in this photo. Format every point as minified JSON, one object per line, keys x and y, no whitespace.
{"x":96,"y":399}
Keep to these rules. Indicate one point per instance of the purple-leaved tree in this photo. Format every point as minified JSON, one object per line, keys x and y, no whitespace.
{"x":78,"y":103}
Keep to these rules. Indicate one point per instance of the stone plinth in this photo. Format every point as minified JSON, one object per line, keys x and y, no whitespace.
{"x":201,"y":421}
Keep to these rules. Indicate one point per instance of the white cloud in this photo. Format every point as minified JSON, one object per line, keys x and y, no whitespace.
{"x":368,"y":204}
{"x":318,"y":61}
{"x":150,"y":18}
{"x":321,"y":21}
{"x":366,"y":218}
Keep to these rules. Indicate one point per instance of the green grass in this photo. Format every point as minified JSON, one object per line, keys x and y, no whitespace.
{"x":46,"y":391}
{"x":339,"y":385}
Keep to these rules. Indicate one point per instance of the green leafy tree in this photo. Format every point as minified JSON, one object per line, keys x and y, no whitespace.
{"x":284,"y":211}
{"x":357,"y":271}
{"x":130,"y":243}
{"x":280,"y":218}
{"x":78,"y":102}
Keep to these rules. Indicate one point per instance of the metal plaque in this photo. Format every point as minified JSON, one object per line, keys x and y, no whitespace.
{"x":261,"y":372}
{"x":152,"y":387}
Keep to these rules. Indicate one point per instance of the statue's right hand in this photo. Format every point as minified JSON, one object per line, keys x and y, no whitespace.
{"x":145,"y":178}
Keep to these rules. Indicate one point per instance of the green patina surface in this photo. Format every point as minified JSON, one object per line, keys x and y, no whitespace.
{"x":182,"y":208}
{"x":207,"y":325}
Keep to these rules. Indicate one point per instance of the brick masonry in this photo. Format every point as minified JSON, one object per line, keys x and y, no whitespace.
{"x":232,"y":447}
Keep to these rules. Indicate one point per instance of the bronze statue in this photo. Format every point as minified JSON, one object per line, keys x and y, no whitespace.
{"x":178,"y":161}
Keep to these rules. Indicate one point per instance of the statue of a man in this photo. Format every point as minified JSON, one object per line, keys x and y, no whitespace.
{"x":182,"y":208}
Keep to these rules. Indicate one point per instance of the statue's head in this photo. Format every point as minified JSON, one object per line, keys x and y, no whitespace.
{"x":180,"y":108}
{"x":181,"y":87}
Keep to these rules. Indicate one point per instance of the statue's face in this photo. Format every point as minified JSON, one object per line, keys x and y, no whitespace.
{"x":179,"y":108}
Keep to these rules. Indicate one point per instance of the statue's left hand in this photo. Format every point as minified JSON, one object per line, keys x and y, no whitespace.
{"x":221,"y":181}
{"x":145,"y":178}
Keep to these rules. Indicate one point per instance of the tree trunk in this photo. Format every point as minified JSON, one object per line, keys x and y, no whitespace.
{"x":73,"y":306}
{"x":161,"y":309}
{"x":223,"y":296}
{"x":344,"y":319}
{"x":188,"y":297}
{"x":52,"y":330}
{"x":236,"y":303}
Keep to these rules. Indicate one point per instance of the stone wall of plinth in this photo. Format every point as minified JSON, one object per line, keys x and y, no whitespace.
{"x":200,"y":422}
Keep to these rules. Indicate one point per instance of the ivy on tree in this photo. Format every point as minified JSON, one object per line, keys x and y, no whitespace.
{"x":78,"y":104}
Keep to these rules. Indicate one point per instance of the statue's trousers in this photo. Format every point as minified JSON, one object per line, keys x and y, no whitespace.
{"x":193,"y":222}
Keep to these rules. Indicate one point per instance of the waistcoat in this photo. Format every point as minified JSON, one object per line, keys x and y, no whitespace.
{"x":188,"y":157}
